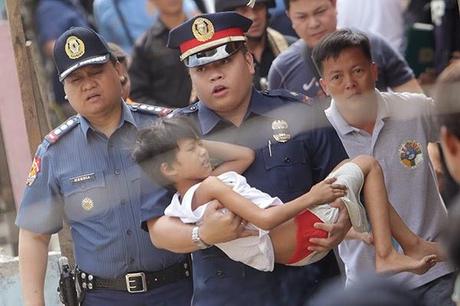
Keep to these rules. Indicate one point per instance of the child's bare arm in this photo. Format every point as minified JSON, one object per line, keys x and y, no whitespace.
{"x":214,"y":189}
{"x":235,"y":158}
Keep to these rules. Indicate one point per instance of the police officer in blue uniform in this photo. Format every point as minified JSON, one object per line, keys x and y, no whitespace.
{"x":83,"y":172}
{"x":295,"y":148}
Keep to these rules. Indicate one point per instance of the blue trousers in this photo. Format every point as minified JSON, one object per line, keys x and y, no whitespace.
{"x":176,"y":294}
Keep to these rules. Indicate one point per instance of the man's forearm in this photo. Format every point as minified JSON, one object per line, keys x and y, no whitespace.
{"x":171,"y":234}
{"x":33,"y":258}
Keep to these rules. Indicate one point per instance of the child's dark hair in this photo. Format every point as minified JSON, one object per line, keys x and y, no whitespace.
{"x":158,"y":144}
{"x":333,"y":44}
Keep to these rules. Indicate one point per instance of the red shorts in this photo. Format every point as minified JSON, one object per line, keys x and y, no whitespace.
{"x":305,"y":231}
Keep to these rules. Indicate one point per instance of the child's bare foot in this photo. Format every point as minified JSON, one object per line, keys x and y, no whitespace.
{"x":424,"y":248}
{"x":396,"y":262}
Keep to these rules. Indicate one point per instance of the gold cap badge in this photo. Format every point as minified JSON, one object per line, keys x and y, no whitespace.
{"x":281,"y":131}
{"x":74,"y":47}
{"x":202,"y":29}
{"x":87,"y":204}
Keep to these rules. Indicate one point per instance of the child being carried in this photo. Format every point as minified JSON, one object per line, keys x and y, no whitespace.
{"x":172,"y":154}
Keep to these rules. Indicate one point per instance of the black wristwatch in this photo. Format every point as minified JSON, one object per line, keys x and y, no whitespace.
{"x":197,"y":240}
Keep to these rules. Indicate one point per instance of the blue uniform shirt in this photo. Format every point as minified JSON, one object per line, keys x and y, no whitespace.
{"x":292,"y":154}
{"x":92,"y":182}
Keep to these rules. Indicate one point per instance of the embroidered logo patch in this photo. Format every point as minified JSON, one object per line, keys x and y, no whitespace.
{"x":410,"y":154}
{"x":34,"y":170}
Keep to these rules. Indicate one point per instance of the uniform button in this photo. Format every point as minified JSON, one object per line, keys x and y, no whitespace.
{"x":131,"y":260}
{"x":123,"y":202}
{"x":129,"y":232}
{"x":287,"y":160}
{"x":219,"y":273}
{"x":117,"y":171}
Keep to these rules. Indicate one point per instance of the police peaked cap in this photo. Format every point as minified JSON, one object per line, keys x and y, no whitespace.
{"x":207,"y":32}
{"x":78,"y":47}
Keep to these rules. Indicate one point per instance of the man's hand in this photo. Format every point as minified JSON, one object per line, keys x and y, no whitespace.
{"x":337,"y":231}
{"x":222,"y":227}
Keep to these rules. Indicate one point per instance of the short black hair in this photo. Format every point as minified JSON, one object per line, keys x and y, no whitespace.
{"x":334,"y":43}
{"x":158,"y":144}
{"x":287,"y":3}
{"x":447,"y":98}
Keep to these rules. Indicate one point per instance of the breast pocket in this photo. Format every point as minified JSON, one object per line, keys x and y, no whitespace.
{"x":287,"y":166}
{"x":85,"y":199}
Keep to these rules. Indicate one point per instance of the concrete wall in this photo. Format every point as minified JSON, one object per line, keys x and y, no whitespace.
{"x":10,"y":286}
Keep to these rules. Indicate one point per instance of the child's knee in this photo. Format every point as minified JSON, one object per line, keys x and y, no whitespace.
{"x":367,"y":163}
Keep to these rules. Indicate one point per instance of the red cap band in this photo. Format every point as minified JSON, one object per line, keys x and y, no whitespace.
{"x":192,"y":43}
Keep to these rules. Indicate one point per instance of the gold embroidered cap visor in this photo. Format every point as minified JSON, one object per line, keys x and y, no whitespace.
{"x":211,"y":55}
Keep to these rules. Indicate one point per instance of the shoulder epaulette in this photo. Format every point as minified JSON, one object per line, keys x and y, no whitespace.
{"x":150,"y":109}
{"x":62,"y":129}
{"x":286,"y":95}
{"x":186,"y":110}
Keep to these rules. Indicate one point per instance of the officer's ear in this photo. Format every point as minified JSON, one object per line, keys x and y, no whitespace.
{"x":324,"y":86}
{"x":249,"y":58}
{"x":451,"y":144}
{"x":116,"y":64}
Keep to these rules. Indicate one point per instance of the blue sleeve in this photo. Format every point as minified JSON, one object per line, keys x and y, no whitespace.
{"x":41,"y":209}
{"x":53,"y":19}
{"x":154,"y":200}
{"x":274,"y":76}
{"x":103,"y":12}
{"x":393,"y":68}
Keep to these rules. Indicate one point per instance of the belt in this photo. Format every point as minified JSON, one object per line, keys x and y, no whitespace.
{"x":137,"y":282}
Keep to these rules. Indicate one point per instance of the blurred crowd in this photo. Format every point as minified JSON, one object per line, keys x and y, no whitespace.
{"x":423,"y":33}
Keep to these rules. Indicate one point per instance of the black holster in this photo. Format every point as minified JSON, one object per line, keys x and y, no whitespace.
{"x":67,"y":289}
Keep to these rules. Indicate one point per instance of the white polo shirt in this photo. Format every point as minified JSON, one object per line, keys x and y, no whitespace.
{"x":403,"y":128}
